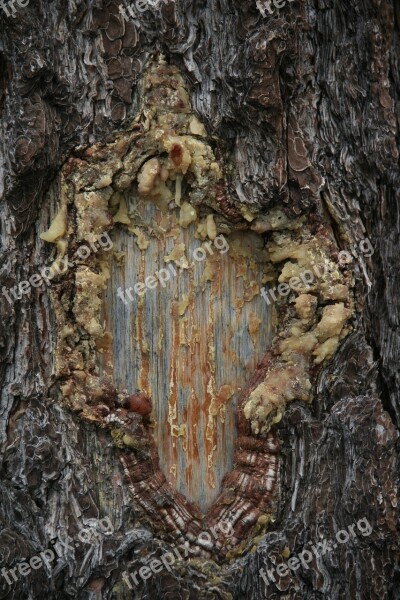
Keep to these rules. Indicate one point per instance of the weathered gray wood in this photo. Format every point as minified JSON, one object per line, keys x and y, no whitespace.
{"x":190,"y":344}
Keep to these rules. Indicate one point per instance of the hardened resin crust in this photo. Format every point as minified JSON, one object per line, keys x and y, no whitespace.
{"x":166,"y":150}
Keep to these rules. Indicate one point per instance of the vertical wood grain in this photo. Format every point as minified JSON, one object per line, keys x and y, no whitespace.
{"x":190,"y":344}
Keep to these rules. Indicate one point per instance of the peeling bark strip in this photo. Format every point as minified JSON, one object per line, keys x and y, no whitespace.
{"x":280,"y":132}
{"x":164,"y":152}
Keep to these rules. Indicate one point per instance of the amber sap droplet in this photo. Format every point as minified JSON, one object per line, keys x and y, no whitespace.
{"x":139,"y":403}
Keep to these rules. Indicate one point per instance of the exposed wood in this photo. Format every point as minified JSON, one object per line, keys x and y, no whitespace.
{"x":189,"y":342}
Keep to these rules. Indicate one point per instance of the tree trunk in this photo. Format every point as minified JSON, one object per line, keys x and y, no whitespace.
{"x":229,"y":428}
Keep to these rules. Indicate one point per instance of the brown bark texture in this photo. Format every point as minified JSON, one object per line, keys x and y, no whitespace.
{"x":302,"y":105}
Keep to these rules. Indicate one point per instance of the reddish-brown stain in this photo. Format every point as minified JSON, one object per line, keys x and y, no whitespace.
{"x":176,"y":154}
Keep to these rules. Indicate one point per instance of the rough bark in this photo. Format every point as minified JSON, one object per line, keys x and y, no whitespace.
{"x":304,"y":108}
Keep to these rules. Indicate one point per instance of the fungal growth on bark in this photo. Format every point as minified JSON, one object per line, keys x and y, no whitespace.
{"x":166,"y":363}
